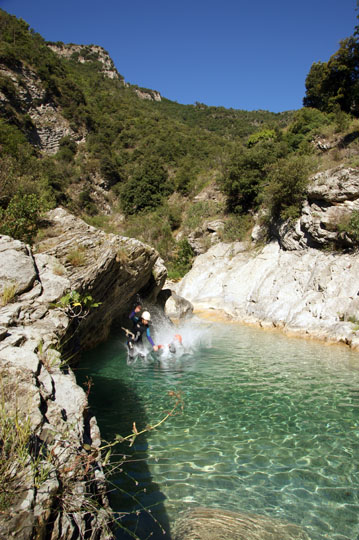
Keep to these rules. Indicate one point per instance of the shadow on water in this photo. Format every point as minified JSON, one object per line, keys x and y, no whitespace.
{"x":134,"y":497}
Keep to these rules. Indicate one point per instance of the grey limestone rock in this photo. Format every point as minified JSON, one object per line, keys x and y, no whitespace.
{"x":16,"y":265}
{"x":178,"y":307}
{"x":308,"y":292}
{"x":331,"y":198}
{"x":47,"y":397}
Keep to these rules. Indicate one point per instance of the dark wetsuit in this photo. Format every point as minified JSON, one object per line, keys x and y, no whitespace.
{"x":139,"y":329}
{"x":134,"y":318}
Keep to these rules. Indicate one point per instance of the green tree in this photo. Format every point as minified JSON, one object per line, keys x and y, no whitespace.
{"x":336,"y":82}
{"x":110,"y":168}
{"x":184,"y":179}
{"x":246,"y":172}
{"x":287,"y":181}
{"x":260,"y":136}
{"x":67,"y":149}
{"x":182,"y":260}
{"x":147,"y":188}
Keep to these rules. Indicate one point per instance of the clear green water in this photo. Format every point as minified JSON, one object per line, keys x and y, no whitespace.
{"x":270,"y":426}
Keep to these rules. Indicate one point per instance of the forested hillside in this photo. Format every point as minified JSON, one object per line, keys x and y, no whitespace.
{"x":73,"y":133}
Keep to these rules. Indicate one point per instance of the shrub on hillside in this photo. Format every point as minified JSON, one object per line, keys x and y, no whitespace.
{"x":350,"y":225}
{"x":181,"y":261}
{"x":245,"y":174}
{"x":236,"y":228}
{"x":20,"y":218}
{"x":287,"y":182}
{"x":152,"y":228}
{"x":147,"y":188}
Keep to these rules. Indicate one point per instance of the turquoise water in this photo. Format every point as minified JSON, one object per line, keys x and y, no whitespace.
{"x":270,"y":426}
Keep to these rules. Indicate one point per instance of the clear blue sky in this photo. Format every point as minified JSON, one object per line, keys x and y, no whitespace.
{"x":245,"y":54}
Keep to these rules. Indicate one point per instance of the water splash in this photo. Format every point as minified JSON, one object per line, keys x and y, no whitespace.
{"x":182,"y":338}
{"x":175,"y":340}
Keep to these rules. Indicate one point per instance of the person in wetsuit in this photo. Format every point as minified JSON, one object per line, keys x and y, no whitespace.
{"x":141,"y":327}
{"x":134,"y":316}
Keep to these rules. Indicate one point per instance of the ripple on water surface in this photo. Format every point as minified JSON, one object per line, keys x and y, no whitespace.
{"x":270,"y":425}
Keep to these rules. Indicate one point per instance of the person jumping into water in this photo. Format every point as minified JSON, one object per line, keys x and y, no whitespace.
{"x":141,"y":327}
{"x":135,"y":314}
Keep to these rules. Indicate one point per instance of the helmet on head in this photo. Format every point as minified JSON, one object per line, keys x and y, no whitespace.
{"x":146,"y":316}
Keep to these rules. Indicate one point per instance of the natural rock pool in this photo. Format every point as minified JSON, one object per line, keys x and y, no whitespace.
{"x":270,"y":426}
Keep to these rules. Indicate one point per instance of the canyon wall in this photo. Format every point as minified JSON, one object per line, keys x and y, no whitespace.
{"x":306,"y":281}
{"x":56,"y":486}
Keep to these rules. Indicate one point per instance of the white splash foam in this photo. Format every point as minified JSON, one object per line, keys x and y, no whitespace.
{"x":194,"y":335}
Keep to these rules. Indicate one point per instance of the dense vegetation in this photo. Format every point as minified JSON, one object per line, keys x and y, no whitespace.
{"x":334,"y":85}
{"x":134,"y":166}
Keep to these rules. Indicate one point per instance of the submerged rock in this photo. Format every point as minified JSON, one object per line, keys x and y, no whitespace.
{"x":217,"y":524}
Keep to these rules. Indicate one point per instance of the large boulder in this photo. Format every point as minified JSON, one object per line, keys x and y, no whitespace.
{"x":111,"y":268}
{"x":310,"y":292}
{"x":17,"y":266}
{"x":177,"y":307}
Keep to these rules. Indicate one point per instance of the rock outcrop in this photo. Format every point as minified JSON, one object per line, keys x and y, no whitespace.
{"x":49,"y":125}
{"x":59,"y":490}
{"x":150,"y":95}
{"x":290,"y":283}
{"x":109,"y":267}
{"x":87,"y":53}
{"x":177,"y":307}
{"x":308,"y":292}
{"x":209,"y":231}
{"x":332,"y":196}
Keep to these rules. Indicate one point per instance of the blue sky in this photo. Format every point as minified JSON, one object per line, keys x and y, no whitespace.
{"x":244,"y":54}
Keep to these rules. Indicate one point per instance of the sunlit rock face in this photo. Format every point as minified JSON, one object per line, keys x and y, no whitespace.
{"x":291,"y":283}
{"x":304,"y":291}
{"x":150,"y":95}
{"x":331,"y":198}
{"x":36,"y":388}
{"x":87,"y":53}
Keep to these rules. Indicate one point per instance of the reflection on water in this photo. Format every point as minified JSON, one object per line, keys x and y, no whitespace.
{"x":270,"y":426}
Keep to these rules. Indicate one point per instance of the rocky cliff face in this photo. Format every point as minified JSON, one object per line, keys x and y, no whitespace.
{"x":109,"y":267}
{"x":306,"y":292}
{"x":88,"y":53}
{"x":59,"y":491}
{"x":289,"y":283}
{"x":48,"y":123}
{"x":151,"y":95}
{"x":331,"y":198}
{"x":29,"y":96}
